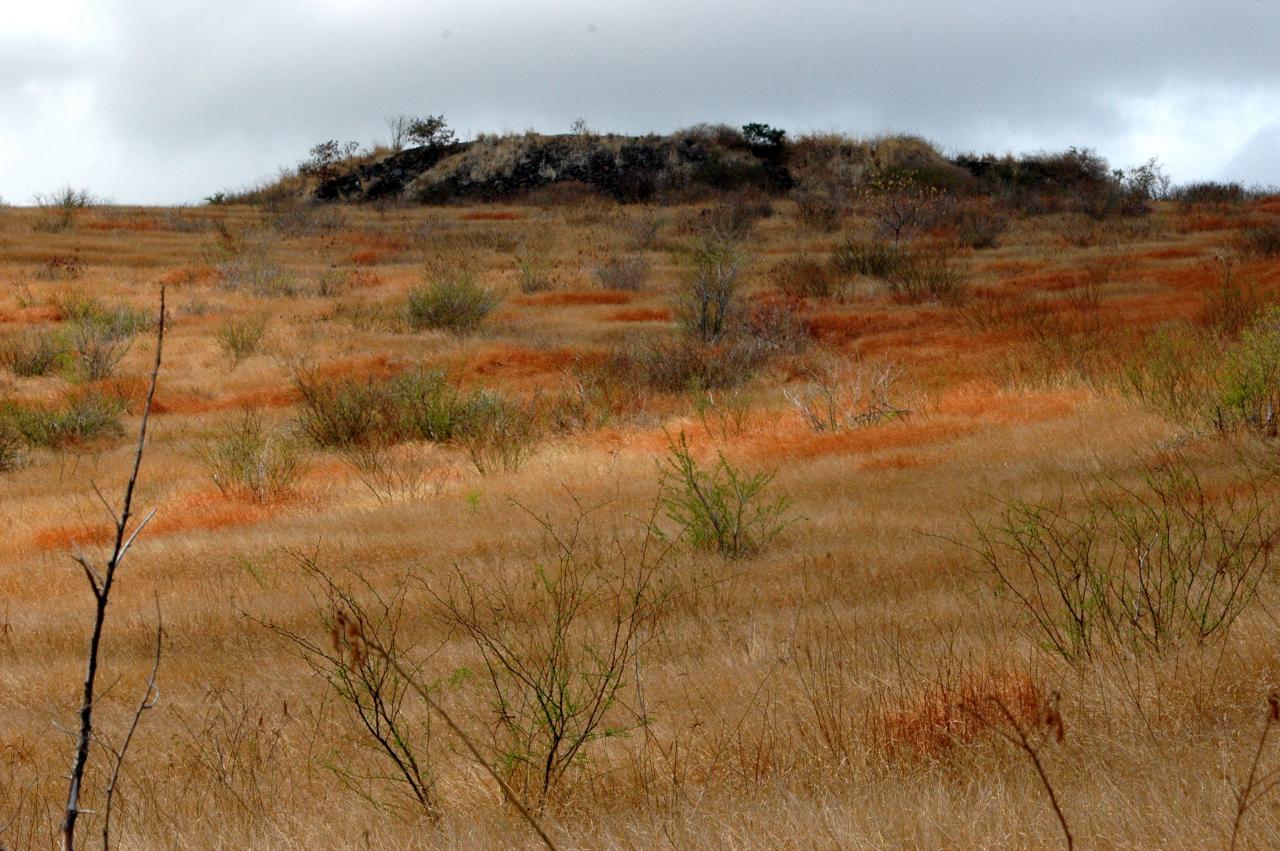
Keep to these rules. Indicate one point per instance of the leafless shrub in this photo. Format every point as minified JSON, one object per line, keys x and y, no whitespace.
{"x":394,"y":472}
{"x":931,"y":274}
{"x":842,"y":395}
{"x":709,"y":305}
{"x":806,"y":277}
{"x":623,"y":273}
{"x":60,"y":208}
{"x":1261,"y":239}
{"x":1138,"y":569}
{"x":354,"y":613}
{"x":62,"y":267}
{"x":558,"y":651}
{"x":642,"y":230}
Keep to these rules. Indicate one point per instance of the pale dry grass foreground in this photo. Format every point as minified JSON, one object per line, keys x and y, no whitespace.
{"x":812,"y":695}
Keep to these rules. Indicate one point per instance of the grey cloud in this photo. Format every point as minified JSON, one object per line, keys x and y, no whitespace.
{"x":210,"y":93}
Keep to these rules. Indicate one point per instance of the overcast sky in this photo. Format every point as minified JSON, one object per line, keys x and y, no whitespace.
{"x":150,"y":101}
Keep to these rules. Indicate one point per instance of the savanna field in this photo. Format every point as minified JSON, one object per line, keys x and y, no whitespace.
{"x":727,"y":522}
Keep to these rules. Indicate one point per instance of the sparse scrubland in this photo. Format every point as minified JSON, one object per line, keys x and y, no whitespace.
{"x":826,"y":493}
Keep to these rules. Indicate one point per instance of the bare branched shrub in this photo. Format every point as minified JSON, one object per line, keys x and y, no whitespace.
{"x":902,"y":207}
{"x":724,"y":509}
{"x":241,"y":338}
{"x":709,"y":305}
{"x":931,"y":274}
{"x":396,"y":471}
{"x":60,"y":208}
{"x":842,"y":395}
{"x":806,"y":277}
{"x":874,"y":258}
{"x":680,"y":365}
{"x":355,"y":613}
{"x":230,"y":749}
{"x":1261,"y":239}
{"x":623,"y":273}
{"x":559,"y":642}
{"x":497,"y":433}
{"x":1234,"y":303}
{"x":1147,"y":568}
{"x":642,"y":230}
{"x":254,"y":461}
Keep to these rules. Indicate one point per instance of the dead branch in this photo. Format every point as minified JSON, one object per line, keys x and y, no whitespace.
{"x":101,"y":583}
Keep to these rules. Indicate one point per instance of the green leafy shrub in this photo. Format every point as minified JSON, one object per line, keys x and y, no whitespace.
{"x":453,"y":303}
{"x":241,"y":338}
{"x":32,"y":352}
{"x":81,"y":418}
{"x":724,"y":508}
{"x":253,"y":461}
{"x":1249,"y":384}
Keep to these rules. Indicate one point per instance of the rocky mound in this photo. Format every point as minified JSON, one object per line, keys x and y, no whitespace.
{"x":628,"y":168}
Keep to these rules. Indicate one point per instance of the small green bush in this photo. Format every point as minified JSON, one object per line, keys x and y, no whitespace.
{"x":722,"y":509}
{"x":1249,"y":386}
{"x":454,"y":303}
{"x":241,"y":338}
{"x":33,"y":352}
{"x":82,"y":418}
{"x":253,"y":461}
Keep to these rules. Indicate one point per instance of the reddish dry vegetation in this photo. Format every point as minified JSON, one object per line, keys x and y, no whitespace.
{"x":849,"y":680}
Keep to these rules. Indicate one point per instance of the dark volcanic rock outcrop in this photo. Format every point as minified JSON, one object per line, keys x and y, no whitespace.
{"x":628,"y":168}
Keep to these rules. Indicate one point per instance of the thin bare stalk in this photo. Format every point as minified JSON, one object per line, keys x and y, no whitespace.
{"x":431,"y":702}
{"x":100,"y":584}
{"x":150,"y":696}
{"x":1020,"y":738}
{"x":1244,"y":796}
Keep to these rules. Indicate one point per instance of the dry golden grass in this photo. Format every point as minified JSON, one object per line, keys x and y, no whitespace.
{"x":812,"y":696}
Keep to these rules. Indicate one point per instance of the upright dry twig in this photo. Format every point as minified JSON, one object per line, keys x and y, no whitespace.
{"x":101,"y":583}
{"x":1020,"y":737}
{"x":150,"y":696}
{"x":435,"y":706}
{"x":1245,"y":797}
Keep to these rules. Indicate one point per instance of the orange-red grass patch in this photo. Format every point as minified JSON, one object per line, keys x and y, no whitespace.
{"x":641,"y":314}
{"x":958,"y":707}
{"x":598,"y":297}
